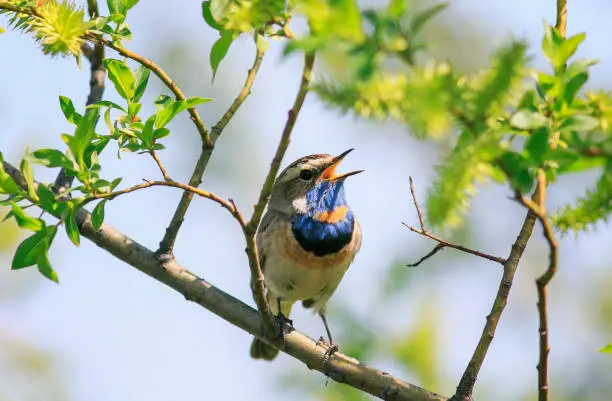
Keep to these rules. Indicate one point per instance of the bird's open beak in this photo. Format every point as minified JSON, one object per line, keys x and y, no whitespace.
{"x":330,"y":172}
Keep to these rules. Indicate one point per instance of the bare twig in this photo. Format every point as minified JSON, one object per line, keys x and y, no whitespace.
{"x":160,"y":165}
{"x":266,"y":190}
{"x":442,"y":243}
{"x":416,"y":205}
{"x":95,"y":56}
{"x":435,"y":250}
{"x":541,"y":285}
{"x":166,"y":245}
{"x":339,"y":367}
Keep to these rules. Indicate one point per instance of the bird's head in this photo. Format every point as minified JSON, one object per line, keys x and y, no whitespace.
{"x":311,"y":186}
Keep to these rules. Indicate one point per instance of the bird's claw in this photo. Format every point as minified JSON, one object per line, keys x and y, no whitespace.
{"x":283,"y":322}
{"x":331,"y":349}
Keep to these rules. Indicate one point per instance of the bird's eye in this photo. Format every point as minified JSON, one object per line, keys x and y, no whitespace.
{"x":306,"y":175}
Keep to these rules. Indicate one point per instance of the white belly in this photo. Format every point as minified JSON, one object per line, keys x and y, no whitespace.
{"x":294,"y":274}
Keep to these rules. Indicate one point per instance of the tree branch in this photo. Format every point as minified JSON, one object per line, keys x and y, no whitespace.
{"x":166,"y":246}
{"x":541,"y":285}
{"x":251,"y":228}
{"x":466,"y":384}
{"x":338,"y":367}
{"x":441,"y":243}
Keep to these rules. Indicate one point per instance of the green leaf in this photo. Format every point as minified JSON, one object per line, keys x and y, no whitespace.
{"x":146,"y":135}
{"x":208,"y":17}
{"x":537,"y":145}
{"x":517,"y":169}
{"x":47,"y":198}
{"x":607,"y":349}
{"x":219,"y":50}
{"x":69,"y":111}
{"x":44,"y":266}
{"x":396,"y":8}
{"x":162,"y":101}
{"x":27,"y":252}
{"x":128,"y":4}
{"x":83,"y":136}
{"x":527,"y":120}
{"x":580,"y":123}
{"x":106,"y":103}
{"x":420,"y":18}
{"x":115,"y":7}
{"x":26,"y":221}
{"x":28,"y":174}
{"x":172,"y":108}
{"x":72,"y":229}
{"x":261,"y":43}
{"x":142,"y":78}
{"x":53,"y":158}
{"x":97,"y":216}
{"x":122,"y":77}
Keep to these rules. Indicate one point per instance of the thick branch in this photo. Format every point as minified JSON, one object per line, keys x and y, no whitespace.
{"x":338,"y":367}
{"x":166,"y":246}
{"x":251,"y":228}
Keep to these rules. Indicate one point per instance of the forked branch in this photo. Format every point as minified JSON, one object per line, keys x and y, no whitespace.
{"x":441,"y":243}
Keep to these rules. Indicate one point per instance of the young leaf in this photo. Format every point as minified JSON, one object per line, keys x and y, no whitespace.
{"x":607,"y":349}
{"x":142,"y":78}
{"x":47,"y":198}
{"x":219,"y":50}
{"x":72,"y":229}
{"x":527,"y":120}
{"x":537,"y":145}
{"x":27,"y":252}
{"x":121,"y":76}
{"x":517,"y":169}
{"x":53,"y":158}
{"x":24,"y":220}
{"x":44,"y":266}
{"x":97,"y":216}
{"x":83,"y":136}
{"x":580,"y":123}
{"x":208,"y":17}
{"x":28,"y":174}
{"x":167,"y":113}
{"x":69,"y":111}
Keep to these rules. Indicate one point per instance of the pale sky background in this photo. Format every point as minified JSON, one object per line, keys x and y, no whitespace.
{"x":119,"y":335}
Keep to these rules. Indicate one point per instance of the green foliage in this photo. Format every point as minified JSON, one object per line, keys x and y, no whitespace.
{"x":607,"y":349}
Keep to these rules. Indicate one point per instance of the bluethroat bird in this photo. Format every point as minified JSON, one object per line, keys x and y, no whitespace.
{"x":307,"y":239}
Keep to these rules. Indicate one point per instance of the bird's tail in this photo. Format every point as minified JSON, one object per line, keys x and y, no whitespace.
{"x":259,"y":349}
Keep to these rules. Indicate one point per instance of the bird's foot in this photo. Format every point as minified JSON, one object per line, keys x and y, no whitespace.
{"x":284,"y":323}
{"x":331,"y":349}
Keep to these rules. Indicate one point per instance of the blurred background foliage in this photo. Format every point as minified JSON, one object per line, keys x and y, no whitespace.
{"x":418,"y":323}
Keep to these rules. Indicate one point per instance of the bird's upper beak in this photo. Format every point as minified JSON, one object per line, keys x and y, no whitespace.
{"x":330,"y":171}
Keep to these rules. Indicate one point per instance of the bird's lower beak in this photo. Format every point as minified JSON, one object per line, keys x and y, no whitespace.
{"x":330,"y":172}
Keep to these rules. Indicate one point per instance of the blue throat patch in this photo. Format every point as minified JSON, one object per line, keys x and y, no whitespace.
{"x":324,"y":237}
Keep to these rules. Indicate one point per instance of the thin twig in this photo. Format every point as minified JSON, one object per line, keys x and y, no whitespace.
{"x":435,"y":250}
{"x":95,"y":56}
{"x":160,"y":165}
{"x":541,"y":285}
{"x":423,"y":231}
{"x":166,"y":245}
{"x":416,"y":205}
{"x":266,"y":190}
